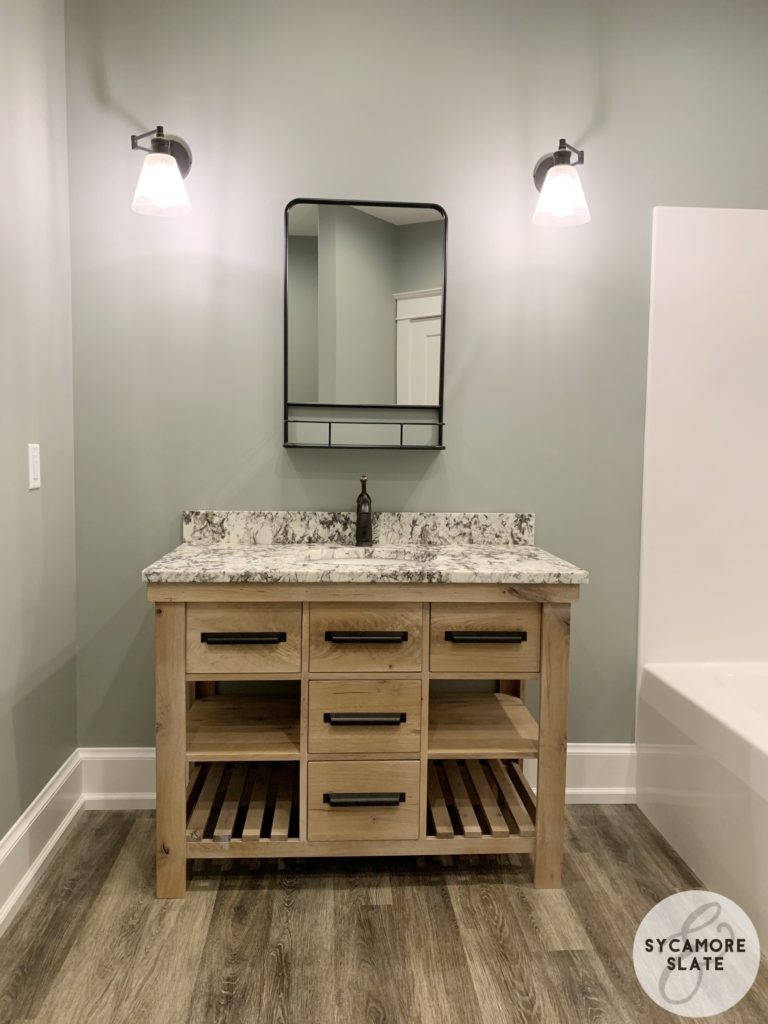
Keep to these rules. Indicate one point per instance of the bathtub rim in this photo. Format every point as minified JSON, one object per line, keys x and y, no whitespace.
{"x":688,"y":694}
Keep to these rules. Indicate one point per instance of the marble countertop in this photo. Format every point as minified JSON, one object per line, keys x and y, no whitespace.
{"x":316,"y":547}
{"x":308,"y":563}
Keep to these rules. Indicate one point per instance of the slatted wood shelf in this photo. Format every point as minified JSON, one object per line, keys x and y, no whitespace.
{"x":250,"y":728}
{"x":231,"y":803}
{"x":478,"y":799}
{"x":481,"y":725}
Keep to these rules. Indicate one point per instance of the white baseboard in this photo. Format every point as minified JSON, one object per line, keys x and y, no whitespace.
{"x":597,"y":773}
{"x":601,"y":773}
{"x":30,"y":841}
{"x":118,"y":778}
{"x":123,"y":778}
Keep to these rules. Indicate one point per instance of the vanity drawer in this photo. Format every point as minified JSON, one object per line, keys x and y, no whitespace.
{"x":365,"y":637}
{"x":485,"y":637}
{"x":354,"y":716}
{"x":362,"y":800}
{"x":243,"y":637}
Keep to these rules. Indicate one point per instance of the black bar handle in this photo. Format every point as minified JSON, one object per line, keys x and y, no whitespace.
{"x":228,"y":639}
{"x":366,"y":636}
{"x":491,"y":636}
{"x":364,"y":799}
{"x":364,"y":717}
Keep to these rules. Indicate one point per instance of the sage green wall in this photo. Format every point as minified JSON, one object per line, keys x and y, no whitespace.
{"x":178,"y":323}
{"x":37,"y":533}
{"x":420,"y":256}
{"x":302,"y":317}
{"x":365,"y":307}
{"x":326,"y":304}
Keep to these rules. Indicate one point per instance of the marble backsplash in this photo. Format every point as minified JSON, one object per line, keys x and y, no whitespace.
{"x":240,"y":529}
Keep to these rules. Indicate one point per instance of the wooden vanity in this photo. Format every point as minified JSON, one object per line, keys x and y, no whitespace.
{"x":359,"y":755}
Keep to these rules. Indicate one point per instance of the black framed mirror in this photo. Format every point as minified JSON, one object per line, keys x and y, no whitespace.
{"x":364,"y":308}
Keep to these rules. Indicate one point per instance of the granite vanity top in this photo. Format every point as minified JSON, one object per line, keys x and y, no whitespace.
{"x":317,"y":547}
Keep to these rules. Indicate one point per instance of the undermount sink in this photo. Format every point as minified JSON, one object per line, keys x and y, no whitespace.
{"x":370,"y":555}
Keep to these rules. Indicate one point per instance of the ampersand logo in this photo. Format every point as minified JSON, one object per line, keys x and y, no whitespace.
{"x":696,"y":954}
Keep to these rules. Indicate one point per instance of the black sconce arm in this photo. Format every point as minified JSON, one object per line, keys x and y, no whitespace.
{"x":567,"y":147}
{"x":162,"y":143}
{"x":562,"y":155}
{"x":157,"y":132}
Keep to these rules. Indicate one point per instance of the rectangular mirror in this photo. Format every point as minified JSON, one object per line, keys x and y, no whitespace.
{"x":364,"y":324}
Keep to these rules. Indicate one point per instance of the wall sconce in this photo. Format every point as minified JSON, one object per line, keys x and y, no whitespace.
{"x":160,"y":190}
{"x":562,"y":202}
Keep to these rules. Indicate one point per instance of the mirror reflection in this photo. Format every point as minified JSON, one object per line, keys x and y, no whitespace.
{"x":364,"y":304}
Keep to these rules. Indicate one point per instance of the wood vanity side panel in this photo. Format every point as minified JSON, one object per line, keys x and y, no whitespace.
{"x":304,"y":722}
{"x":426,"y":612}
{"x":255,"y":617}
{"x":170,"y":742}
{"x":553,"y":739}
{"x":325,"y":656}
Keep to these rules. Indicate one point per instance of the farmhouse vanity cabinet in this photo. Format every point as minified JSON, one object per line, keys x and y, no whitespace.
{"x":344,"y":743}
{"x":314,"y":719}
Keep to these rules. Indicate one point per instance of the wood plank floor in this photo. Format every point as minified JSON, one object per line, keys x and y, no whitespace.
{"x":398,"y":941}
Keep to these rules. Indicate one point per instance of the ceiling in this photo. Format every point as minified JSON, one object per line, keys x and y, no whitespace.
{"x":303,"y":216}
{"x":401,"y":214}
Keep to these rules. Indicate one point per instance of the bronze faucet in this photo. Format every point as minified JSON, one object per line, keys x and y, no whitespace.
{"x":364,"y":525}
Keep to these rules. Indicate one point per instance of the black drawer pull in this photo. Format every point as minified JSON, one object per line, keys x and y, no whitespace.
{"x":492,"y":636}
{"x":366,"y":636}
{"x":364,"y":717}
{"x":228,"y":639}
{"x":364,"y":799}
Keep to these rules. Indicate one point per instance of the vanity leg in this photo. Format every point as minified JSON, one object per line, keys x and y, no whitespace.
{"x":553,"y":726}
{"x":170,"y":742}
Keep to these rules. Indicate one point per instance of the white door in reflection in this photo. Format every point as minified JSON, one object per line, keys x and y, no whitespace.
{"x":418,"y":316}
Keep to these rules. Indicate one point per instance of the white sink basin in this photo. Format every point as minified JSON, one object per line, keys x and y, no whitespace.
{"x":371,"y":556}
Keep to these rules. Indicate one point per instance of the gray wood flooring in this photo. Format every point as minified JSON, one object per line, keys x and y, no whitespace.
{"x":396,"y":941}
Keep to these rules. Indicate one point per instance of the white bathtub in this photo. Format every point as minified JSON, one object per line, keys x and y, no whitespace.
{"x":702,"y":773}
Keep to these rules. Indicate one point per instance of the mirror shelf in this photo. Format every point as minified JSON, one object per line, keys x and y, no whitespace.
{"x":315,"y":425}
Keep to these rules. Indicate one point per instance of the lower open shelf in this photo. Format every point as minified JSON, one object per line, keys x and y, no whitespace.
{"x":251,"y":809}
{"x":242,"y":802}
{"x":252,"y":728}
{"x":492,"y":725}
{"x":471,"y":800}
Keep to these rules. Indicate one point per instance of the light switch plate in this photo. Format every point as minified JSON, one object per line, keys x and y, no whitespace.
{"x":33,"y":455}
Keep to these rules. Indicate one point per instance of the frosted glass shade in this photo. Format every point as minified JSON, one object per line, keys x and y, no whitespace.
{"x":160,"y":190}
{"x":561,"y":200}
